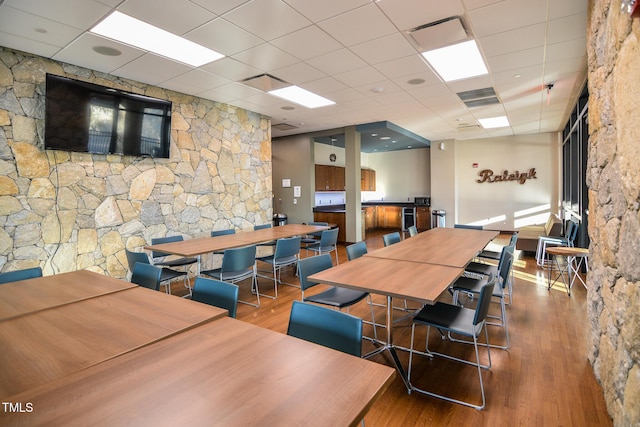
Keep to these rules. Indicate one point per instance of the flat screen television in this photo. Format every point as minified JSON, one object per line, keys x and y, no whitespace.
{"x":86,"y":117}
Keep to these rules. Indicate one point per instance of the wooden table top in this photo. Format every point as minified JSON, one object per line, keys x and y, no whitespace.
{"x":567,"y":251}
{"x":52,"y":343}
{"x":444,"y":246}
{"x":400,"y":279}
{"x":203,"y":245}
{"x":28,"y":296}
{"x":223,"y":373}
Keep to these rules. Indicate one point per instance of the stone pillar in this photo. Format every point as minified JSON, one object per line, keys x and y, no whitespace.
{"x":613,"y":178}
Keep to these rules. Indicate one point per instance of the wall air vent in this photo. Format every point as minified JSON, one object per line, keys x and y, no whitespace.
{"x":284,"y":126}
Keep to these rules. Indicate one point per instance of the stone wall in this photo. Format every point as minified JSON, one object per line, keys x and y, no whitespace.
{"x":614,"y":199}
{"x":65,"y":211}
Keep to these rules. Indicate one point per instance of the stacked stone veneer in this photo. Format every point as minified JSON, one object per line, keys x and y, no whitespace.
{"x":614,"y":200}
{"x":65,"y":211}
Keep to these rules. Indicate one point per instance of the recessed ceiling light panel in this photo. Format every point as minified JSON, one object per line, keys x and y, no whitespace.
{"x":301,"y":96}
{"x":458,"y":61}
{"x":129,"y":30}
{"x":494,"y":122}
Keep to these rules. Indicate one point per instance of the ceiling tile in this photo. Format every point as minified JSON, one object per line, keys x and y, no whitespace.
{"x":26,"y":45}
{"x":70,"y":12}
{"x":384,"y":49}
{"x":198,"y":79}
{"x":36,"y":28}
{"x":360,"y":76}
{"x":515,"y":60}
{"x":265,"y":57}
{"x":298,"y":73}
{"x":175,"y":16}
{"x":408,"y":65}
{"x":307,"y":43}
{"x":521,"y":13}
{"x":267,"y":19}
{"x":566,"y":28}
{"x":231,"y":69}
{"x":321,"y":10}
{"x":224,"y":37}
{"x":80,"y":52}
{"x":337,"y":62}
{"x":514,"y":40}
{"x":219,"y":6}
{"x":152,"y":69}
{"x":358,"y":26}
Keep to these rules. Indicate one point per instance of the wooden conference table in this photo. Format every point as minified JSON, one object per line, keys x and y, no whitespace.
{"x":411,"y":269}
{"x":140,"y":357}
{"x":203,"y":245}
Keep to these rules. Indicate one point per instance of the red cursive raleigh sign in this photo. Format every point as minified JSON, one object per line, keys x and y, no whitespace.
{"x":486,"y":175}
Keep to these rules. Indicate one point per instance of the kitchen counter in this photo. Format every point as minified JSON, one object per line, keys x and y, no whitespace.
{"x":342,"y":208}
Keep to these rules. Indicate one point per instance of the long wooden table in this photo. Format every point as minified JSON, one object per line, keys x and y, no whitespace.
{"x":52,"y":343}
{"x":419,"y":268}
{"x":28,"y":296}
{"x":224,"y":373}
{"x":204,"y":245}
{"x":445,"y":246}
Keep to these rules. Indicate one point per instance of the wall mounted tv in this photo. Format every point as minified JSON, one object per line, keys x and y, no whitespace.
{"x":86,"y":117}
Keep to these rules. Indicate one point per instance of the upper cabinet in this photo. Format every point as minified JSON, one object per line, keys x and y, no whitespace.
{"x":367,"y":180}
{"x":331,"y":178}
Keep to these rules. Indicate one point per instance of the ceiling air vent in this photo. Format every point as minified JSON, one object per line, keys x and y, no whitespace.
{"x":284,"y":126}
{"x":479,"y":97}
{"x":438,"y":34}
{"x":264,"y":82}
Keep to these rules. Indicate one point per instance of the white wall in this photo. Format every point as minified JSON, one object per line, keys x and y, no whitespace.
{"x":509,"y":203}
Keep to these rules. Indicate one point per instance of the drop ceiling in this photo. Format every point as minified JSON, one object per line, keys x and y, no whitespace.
{"x":362,"y":54}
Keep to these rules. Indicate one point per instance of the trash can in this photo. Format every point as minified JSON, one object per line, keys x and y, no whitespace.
{"x":279,"y":219}
{"x":438,"y":218}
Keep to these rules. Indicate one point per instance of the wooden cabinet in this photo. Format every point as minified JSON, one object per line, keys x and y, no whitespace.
{"x":367,"y":180}
{"x":369,"y":217}
{"x":337,"y":218}
{"x":329,"y":178}
{"x":389,"y":216}
{"x":423,"y":218}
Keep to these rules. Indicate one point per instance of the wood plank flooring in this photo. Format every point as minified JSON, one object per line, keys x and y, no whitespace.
{"x":544,"y":379}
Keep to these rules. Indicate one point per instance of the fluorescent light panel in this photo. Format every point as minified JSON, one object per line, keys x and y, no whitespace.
{"x":301,"y":96}
{"x":126,"y":29}
{"x":494,"y":122}
{"x":458,"y":61}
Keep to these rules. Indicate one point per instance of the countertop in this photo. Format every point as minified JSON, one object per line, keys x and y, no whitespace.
{"x":342,"y":208}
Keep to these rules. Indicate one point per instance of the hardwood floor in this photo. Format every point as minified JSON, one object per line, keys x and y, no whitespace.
{"x":544,"y":379}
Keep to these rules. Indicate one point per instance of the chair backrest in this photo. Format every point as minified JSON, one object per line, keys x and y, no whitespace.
{"x":329,"y":237}
{"x":310,"y":266}
{"x":287,"y":247}
{"x":470,"y":227}
{"x":513,"y":240}
{"x":24,"y":274}
{"x":215,"y":233}
{"x":218,"y":293}
{"x":238,"y":259}
{"x":160,"y":240}
{"x":484,"y":301}
{"x":260,"y":227}
{"x":317,"y":233}
{"x":146,"y":275}
{"x":391,"y":238}
{"x":325,"y":326}
{"x":572,"y":232}
{"x":133,"y":257}
{"x":356,"y":250}
{"x":413,"y":230}
{"x":505,"y":266}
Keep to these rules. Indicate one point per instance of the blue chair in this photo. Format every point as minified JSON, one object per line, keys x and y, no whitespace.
{"x":356,"y":250}
{"x":413,"y":230}
{"x":330,"y":328}
{"x":312,"y":238}
{"x":287,"y":252}
{"x":328,"y":243}
{"x":495,"y":255}
{"x":470,"y":285}
{"x":457,"y":320}
{"x":270,"y":243}
{"x":238,"y":264}
{"x":224,"y":232}
{"x":468,"y":227}
{"x":568,"y":239}
{"x":166,"y":260}
{"x":335,"y":296}
{"x":14,"y":276}
{"x":216,"y":293}
{"x":391,"y":238}
{"x":168,"y":275}
{"x":146,"y":275}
